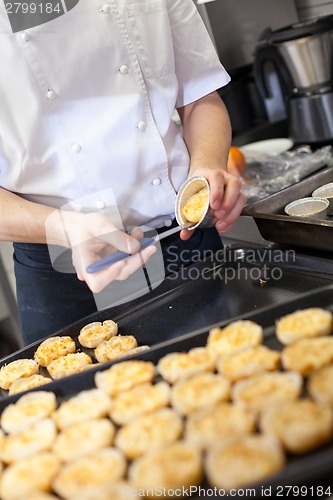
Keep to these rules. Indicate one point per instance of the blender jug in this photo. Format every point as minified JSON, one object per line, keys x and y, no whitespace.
{"x":301,"y":57}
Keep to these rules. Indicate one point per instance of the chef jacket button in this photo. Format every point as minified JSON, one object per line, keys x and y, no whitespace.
{"x":168,"y":222}
{"x":51,"y":95}
{"x":106,"y":8}
{"x":25,"y":37}
{"x":76,"y":148}
{"x":156,"y":182}
{"x":142,"y":126}
{"x":100,"y":203}
{"x":123,"y":69}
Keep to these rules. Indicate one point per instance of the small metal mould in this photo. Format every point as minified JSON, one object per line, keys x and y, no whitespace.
{"x":189,"y":188}
{"x":325,"y":191}
{"x":311,"y":207}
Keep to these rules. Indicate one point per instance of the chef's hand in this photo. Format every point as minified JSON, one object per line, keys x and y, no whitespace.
{"x":226,"y":199}
{"x":93,"y":236}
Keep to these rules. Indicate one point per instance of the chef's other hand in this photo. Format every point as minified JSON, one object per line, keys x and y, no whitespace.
{"x":226,"y":199}
{"x":93,"y":236}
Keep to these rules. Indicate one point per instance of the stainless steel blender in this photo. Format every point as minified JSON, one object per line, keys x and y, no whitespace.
{"x":299,"y":56}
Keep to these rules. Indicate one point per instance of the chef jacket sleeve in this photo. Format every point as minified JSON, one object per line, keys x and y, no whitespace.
{"x":198,"y":68}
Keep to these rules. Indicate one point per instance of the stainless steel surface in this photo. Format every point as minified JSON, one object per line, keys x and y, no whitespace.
{"x":300,"y":57}
{"x":314,"y":208}
{"x":309,"y":60}
{"x":311,"y":118}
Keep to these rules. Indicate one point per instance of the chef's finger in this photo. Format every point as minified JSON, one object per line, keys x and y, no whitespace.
{"x":224,"y":224}
{"x":185,"y":234}
{"x":118,"y":271}
{"x":216,"y":179}
{"x":232,"y":191}
{"x":137,"y":233}
{"x":122,"y":241}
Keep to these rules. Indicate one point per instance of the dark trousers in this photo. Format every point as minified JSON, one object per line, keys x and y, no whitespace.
{"x":49,"y":300}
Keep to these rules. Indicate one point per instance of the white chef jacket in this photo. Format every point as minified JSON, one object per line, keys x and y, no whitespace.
{"x":87,"y":97}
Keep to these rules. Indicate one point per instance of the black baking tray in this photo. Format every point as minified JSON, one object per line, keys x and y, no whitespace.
{"x":311,"y":470}
{"x":275,"y":226}
{"x":226,"y":286}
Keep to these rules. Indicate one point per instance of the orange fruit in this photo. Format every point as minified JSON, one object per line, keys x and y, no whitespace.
{"x":236,"y":162}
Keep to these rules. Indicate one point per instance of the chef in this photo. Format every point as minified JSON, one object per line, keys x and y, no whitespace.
{"x":89,"y":151}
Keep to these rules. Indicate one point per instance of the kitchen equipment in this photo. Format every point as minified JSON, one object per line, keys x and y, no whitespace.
{"x":311,"y":207}
{"x":325,"y":191}
{"x":308,"y":470}
{"x":277,"y":227}
{"x":201,"y":296}
{"x":189,"y":188}
{"x":293,"y":72}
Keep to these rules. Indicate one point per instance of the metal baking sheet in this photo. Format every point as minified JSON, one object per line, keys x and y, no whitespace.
{"x":233,"y":283}
{"x":311,"y":470}
{"x":228,"y":286}
{"x":274,"y":225}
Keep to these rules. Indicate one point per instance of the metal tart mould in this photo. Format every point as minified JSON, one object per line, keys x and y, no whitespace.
{"x":325,"y":191}
{"x":311,"y":207}
{"x":189,"y":188}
